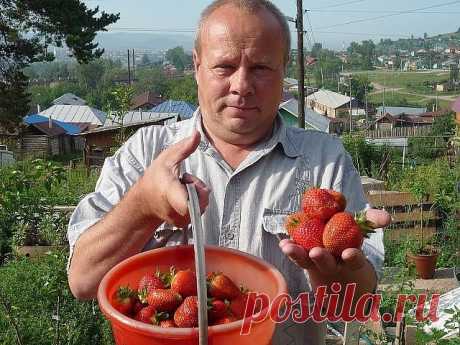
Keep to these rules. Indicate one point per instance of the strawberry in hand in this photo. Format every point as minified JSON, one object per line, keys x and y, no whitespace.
{"x":343,"y":231}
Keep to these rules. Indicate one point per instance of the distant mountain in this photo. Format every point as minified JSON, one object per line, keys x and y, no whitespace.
{"x":154,"y":41}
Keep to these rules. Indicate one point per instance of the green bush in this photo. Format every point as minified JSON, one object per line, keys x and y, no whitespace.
{"x":32,"y":292}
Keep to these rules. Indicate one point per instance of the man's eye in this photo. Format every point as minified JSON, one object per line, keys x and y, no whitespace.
{"x":224,"y":69}
{"x":261,"y":68}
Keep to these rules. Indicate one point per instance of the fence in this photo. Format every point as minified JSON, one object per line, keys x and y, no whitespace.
{"x":399,"y":132}
{"x":410,"y":216}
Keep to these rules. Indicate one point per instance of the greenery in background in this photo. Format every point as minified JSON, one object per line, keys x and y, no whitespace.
{"x":119,"y":104}
{"x":28,"y":191}
{"x":37,"y":306}
{"x":370,"y":160}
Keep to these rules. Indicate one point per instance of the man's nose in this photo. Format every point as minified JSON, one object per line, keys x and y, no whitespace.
{"x":241,"y":82}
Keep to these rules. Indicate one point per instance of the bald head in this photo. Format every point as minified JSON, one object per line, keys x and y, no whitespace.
{"x":248,"y":6}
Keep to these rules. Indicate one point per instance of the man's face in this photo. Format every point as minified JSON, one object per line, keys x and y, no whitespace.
{"x":240,"y":73}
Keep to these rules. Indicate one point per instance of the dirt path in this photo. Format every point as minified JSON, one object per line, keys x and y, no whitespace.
{"x":378,"y":88}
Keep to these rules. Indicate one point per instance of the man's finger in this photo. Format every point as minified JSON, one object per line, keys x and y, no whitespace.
{"x":181,"y":150}
{"x":380,"y":218}
{"x":323,"y":260}
{"x":296,"y":253}
{"x":202,"y":189}
{"x":353,"y":258}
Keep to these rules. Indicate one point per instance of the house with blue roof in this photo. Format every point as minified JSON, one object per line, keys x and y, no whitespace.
{"x":43,"y":136}
{"x":184,"y":109}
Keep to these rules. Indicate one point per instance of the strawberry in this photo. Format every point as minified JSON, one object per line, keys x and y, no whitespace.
{"x":150,"y":281}
{"x":184,"y":282}
{"x":164,"y":299}
{"x":226,"y":319}
{"x":216,"y":309}
{"x":293,"y":221}
{"x":342,"y":231}
{"x":319,"y":203}
{"x":167,"y":324}
{"x":146,"y":315}
{"x":339,"y":198}
{"x":238,"y":305}
{"x":123,"y":300}
{"x":187,"y":313}
{"x":138,"y":305}
{"x":222,"y":287}
{"x":309,"y":233}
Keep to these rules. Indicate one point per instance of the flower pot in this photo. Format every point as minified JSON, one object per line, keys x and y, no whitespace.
{"x":425,"y":264}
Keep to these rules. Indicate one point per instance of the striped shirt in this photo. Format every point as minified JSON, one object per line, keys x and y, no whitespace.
{"x":248,"y":205}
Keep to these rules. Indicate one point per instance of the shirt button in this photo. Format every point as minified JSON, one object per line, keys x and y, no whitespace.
{"x":229,"y":235}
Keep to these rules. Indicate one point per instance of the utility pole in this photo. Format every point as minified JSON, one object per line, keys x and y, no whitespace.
{"x":365,"y":109}
{"x":134,"y":67}
{"x":300,"y":65}
{"x":129,"y":68}
{"x":349,"y":79}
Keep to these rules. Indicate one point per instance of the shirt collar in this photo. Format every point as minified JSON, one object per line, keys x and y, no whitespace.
{"x":280,"y":136}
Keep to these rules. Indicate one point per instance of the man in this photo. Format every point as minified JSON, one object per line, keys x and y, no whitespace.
{"x":249,"y":169}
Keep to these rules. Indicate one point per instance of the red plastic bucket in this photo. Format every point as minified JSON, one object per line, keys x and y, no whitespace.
{"x":250,"y":271}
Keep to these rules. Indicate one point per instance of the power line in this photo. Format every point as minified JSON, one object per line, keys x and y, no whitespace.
{"x":380,"y":11}
{"x":340,"y":4}
{"x":388,"y":15}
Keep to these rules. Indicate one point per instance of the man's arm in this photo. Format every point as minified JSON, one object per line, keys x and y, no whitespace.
{"x":158,"y":196}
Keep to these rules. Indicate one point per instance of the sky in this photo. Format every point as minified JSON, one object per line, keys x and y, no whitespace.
{"x":329,"y":19}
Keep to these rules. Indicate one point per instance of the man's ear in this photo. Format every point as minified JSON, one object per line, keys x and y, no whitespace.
{"x":196,"y":63}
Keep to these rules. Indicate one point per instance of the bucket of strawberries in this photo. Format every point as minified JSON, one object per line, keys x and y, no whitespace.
{"x":151,"y":298}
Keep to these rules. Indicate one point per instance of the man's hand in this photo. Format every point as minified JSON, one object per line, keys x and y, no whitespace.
{"x":324,"y":269}
{"x":162,"y":191}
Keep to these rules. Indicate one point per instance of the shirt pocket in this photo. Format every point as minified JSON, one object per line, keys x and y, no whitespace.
{"x":273,"y":232}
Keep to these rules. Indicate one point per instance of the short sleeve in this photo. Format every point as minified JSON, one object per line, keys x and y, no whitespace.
{"x":118,"y":174}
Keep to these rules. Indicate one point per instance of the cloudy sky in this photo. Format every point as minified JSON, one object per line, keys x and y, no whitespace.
{"x":332,"y":22}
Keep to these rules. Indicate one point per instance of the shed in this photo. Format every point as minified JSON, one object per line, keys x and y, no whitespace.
{"x":44,"y":137}
{"x":99,"y":141}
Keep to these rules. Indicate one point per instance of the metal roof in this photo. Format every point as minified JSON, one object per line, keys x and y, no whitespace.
{"x":115,"y":126}
{"x":184,"y":109}
{"x":312,"y":118}
{"x":69,"y":99}
{"x":396,"y":111}
{"x":75,"y":113}
{"x":136,"y":117}
{"x":42,"y":121}
{"x":329,"y":98}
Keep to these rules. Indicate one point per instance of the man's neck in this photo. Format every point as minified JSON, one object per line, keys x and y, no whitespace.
{"x":233,"y":154}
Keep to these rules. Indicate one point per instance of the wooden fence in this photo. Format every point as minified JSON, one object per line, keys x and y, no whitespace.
{"x":408,"y":214}
{"x":399,"y":132}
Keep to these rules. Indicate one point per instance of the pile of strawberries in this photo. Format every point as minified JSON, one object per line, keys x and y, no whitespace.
{"x":170,"y":299}
{"x":323,"y":222}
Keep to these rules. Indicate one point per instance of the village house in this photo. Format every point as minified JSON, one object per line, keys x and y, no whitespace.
{"x":313,"y":120}
{"x":146,"y":101}
{"x":183,"y":109}
{"x":333,"y":104}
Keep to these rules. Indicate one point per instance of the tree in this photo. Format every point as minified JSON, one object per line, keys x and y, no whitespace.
{"x":178,"y":58}
{"x":145,"y":60}
{"x":28,"y":27}
{"x":184,"y":89}
{"x":360,"y":85}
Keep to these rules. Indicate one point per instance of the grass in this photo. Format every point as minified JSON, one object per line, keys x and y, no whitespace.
{"x":405,"y":80}
{"x":394,"y":98}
